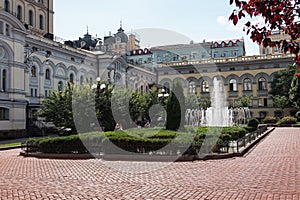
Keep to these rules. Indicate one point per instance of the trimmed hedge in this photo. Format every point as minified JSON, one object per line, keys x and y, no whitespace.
{"x":288,"y":120}
{"x":141,"y":140}
{"x":270,"y":120}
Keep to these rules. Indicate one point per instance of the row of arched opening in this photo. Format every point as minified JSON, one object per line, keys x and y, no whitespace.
{"x":232,"y":87}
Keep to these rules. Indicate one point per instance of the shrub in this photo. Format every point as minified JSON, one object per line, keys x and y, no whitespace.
{"x":253,"y":122}
{"x":140,"y":141}
{"x":270,"y":120}
{"x":288,"y":120}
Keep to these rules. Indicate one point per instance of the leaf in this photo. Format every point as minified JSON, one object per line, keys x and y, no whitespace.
{"x":235,"y":19}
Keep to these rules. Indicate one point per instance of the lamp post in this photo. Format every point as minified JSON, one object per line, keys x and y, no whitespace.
{"x":163,"y":95}
{"x":29,"y":50}
{"x":103,"y":105}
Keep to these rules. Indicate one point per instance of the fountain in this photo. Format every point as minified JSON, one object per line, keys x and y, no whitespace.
{"x":218,"y":114}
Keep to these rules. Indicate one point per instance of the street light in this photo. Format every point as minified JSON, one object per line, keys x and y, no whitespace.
{"x":29,"y":50}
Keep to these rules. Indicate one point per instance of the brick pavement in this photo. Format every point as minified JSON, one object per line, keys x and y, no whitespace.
{"x":270,"y":171}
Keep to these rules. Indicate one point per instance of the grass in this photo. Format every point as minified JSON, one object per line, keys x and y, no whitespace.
{"x":10,"y":145}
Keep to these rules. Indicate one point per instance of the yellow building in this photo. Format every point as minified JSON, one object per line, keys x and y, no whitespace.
{"x":241,"y":76}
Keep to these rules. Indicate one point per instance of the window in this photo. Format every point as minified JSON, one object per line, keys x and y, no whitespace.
{"x":91,"y":80}
{"x":33,"y":71}
{"x":262,"y":84}
{"x":60,"y":86}
{"x":192,"y":87}
{"x":205,"y":86}
{"x":35,"y":93}
{"x":232,"y":85}
{"x":31,"y":92}
{"x":46,"y":93}
{"x":1,"y":27}
{"x":41,"y":1}
{"x":7,"y":6}
{"x":47,"y":75}
{"x":4,"y":114}
{"x":247,"y":84}
{"x":4,"y":79}
{"x":72,"y":78}
{"x":41,"y":22}
{"x":81,"y":80}
{"x":30,"y":19}
{"x":7,"y":30}
{"x":19,"y":12}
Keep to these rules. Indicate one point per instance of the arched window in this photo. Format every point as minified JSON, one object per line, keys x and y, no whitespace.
{"x":7,"y":6}
{"x":47,"y":75}
{"x":232,"y":85}
{"x":72,"y":78}
{"x":41,"y":22}
{"x":262,"y":83}
{"x":247,"y":84}
{"x":33,"y":71}
{"x":4,"y":78}
{"x":91,"y":80}
{"x":19,"y":12}
{"x":60,"y":86}
{"x":30,"y":18}
{"x":192,"y":87}
{"x":205,"y":86}
{"x":81,"y":80}
{"x":4,"y":114}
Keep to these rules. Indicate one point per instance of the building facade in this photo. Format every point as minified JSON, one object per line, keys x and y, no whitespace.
{"x":241,"y":76}
{"x":32,"y":64}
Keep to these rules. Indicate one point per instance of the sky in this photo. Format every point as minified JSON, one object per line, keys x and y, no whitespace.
{"x":156,"y":22}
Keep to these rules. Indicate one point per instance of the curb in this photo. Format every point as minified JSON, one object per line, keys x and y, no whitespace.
{"x":9,"y":148}
{"x":148,"y":158}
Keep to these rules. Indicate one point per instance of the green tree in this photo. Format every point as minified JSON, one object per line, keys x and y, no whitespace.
{"x":245,"y":101}
{"x":103,"y":100}
{"x":282,"y":81}
{"x":191,"y":101}
{"x":281,"y":101}
{"x":205,"y":103}
{"x":175,"y":108}
{"x":294,"y":93}
{"x":57,"y":108}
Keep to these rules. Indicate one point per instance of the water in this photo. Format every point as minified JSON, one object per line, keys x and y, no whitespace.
{"x":218,"y":114}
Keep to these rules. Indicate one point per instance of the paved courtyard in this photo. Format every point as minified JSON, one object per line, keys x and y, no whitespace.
{"x":270,"y":171}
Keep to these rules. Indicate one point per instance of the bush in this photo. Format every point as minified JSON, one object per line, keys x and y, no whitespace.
{"x":253,"y":122}
{"x":140,"y":141}
{"x":288,"y":120}
{"x":270,"y":120}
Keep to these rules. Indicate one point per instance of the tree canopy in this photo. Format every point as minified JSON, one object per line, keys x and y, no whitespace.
{"x":277,"y":15}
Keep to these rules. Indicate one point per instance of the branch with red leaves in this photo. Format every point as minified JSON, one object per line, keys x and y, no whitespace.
{"x":278,"y":15}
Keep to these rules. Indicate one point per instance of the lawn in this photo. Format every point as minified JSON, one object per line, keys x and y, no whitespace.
{"x":10,"y":145}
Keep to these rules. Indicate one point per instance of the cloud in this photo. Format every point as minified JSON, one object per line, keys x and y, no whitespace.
{"x":222,"y":20}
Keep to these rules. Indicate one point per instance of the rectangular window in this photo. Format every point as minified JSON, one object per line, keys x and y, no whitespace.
{"x":4,"y":114}
{"x":35,"y":92}
{"x":265,"y":102}
{"x":31,"y":92}
{"x":260,"y":102}
{"x":1,"y":27}
{"x":46,"y":93}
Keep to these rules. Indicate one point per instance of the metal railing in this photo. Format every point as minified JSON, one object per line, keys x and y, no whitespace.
{"x":249,"y":138}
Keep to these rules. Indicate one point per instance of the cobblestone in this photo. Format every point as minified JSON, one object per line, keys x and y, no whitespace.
{"x":270,"y":171}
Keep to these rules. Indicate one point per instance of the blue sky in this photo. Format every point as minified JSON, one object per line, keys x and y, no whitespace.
{"x":157,"y":22}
